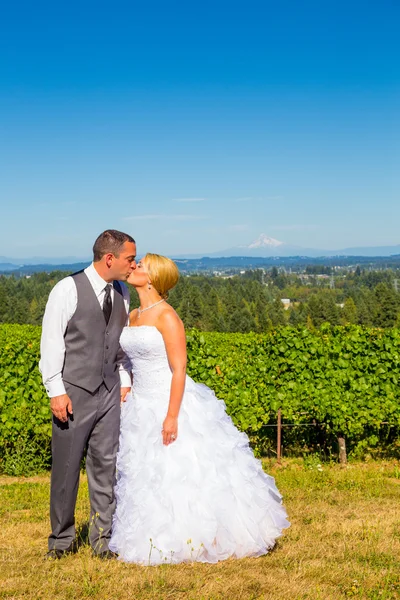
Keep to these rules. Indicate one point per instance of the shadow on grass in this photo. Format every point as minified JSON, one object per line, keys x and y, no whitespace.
{"x":82,"y":535}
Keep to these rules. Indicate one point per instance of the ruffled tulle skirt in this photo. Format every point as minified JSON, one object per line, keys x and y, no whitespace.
{"x":203,"y":498}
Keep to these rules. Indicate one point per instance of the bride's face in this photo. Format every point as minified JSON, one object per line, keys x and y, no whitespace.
{"x":139,"y":277}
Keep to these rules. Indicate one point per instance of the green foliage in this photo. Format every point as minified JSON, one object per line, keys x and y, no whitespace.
{"x":23,"y":299}
{"x":25,"y":418}
{"x":349,"y":315}
{"x":344,"y":379}
{"x":386,"y":309}
{"x":243,"y":303}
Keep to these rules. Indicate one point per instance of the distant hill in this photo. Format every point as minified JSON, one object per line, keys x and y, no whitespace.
{"x":296,"y":263}
{"x":265,"y":246}
{"x":43,"y":260}
{"x":6,"y":266}
{"x":210,"y":264}
{"x":45,"y":268}
{"x":264,"y":251}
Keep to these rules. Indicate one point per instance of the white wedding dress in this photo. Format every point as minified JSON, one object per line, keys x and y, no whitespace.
{"x":205,"y":496}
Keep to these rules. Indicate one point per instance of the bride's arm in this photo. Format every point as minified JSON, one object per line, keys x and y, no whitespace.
{"x":173,"y":333}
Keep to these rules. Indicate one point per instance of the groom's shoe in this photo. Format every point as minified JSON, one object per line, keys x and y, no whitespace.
{"x":56,"y":553}
{"x":106,"y":555}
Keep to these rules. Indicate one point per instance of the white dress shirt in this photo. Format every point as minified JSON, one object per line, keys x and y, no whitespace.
{"x":60,"y":308}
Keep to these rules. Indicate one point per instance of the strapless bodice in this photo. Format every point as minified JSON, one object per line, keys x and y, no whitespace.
{"x":145,"y":348}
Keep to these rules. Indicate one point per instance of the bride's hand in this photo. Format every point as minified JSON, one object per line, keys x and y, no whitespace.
{"x":124,"y":392}
{"x":169,"y":430}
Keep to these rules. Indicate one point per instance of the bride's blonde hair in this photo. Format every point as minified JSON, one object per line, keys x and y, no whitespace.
{"x":163,"y":272}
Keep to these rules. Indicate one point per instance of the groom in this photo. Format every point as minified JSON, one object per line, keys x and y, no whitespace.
{"x":86,"y":375}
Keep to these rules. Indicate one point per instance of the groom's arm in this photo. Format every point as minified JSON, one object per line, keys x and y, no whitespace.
{"x":60,"y":307}
{"x":124,"y":364}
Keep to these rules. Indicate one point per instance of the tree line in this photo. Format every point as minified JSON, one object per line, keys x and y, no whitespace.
{"x":248,"y":302}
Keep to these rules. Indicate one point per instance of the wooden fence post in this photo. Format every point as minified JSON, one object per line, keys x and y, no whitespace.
{"x":279,"y":436}
{"x":342,"y":449}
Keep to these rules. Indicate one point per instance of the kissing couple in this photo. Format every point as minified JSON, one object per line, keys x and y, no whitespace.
{"x":171,"y":479}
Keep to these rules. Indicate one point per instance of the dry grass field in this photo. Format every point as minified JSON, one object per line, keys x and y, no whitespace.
{"x":344,"y":543}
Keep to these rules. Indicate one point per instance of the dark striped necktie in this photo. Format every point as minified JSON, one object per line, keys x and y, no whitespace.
{"x":107,"y":305}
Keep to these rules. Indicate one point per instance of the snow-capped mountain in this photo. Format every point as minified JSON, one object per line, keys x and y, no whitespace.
{"x":265,"y":246}
{"x":263,"y":241}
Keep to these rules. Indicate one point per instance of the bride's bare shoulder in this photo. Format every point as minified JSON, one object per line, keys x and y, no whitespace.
{"x":169,"y":318}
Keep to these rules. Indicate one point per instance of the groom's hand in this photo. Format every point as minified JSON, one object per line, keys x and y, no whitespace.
{"x":124,"y":392}
{"x":61,"y":406}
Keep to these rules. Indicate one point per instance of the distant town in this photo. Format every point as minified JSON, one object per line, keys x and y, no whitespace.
{"x":235,"y":265}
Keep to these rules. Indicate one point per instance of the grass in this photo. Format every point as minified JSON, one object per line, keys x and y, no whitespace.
{"x":344,"y":542}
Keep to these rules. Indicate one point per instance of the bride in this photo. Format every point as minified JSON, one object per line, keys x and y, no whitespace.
{"x":188,"y":485}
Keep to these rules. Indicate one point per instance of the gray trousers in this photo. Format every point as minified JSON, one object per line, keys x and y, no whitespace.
{"x":95,"y":424}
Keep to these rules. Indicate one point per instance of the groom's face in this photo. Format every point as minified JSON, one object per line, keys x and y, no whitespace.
{"x":125,"y":262}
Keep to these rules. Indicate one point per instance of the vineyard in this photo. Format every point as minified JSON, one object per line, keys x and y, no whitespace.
{"x":327,"y":383}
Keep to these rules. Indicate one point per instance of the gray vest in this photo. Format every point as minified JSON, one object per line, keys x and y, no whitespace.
{"x":91,"y":346}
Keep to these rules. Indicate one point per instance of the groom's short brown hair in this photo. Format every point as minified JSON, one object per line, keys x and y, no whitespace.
{"x":110,"y":241}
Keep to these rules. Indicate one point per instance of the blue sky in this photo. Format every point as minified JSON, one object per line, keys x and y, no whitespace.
{"x":197,"y":126}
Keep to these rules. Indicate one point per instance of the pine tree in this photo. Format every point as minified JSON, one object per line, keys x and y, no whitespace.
{"x":349,"y":312}
{"x":386,"y":312}
{"x":294,"y":317}
{"x":277,"y":313}
{"x":241,"y":321}
{"x":191,"y":308}
{"x":261,"y":315}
